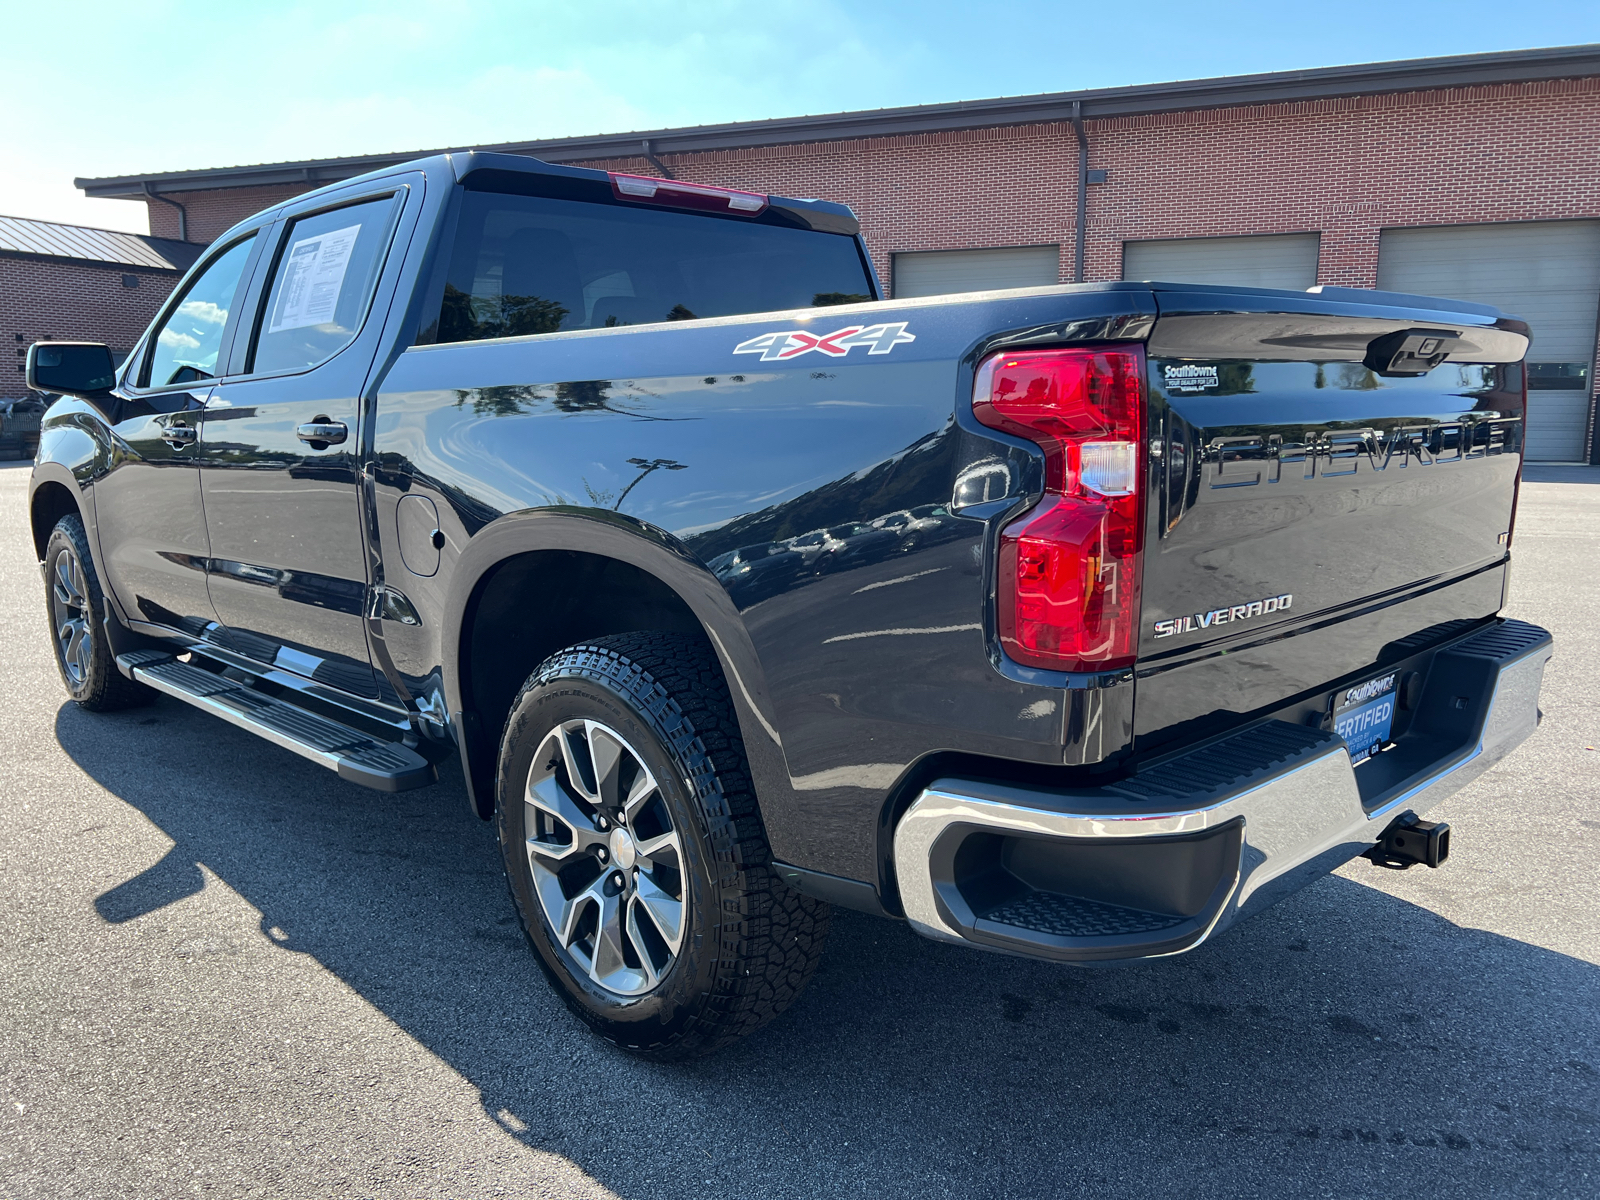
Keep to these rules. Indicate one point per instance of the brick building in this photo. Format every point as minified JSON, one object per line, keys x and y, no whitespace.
{"x":68,"y":281}
{"x":1475,"y":176}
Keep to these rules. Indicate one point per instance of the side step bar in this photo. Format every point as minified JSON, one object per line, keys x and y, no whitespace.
{"x":356,"y":756}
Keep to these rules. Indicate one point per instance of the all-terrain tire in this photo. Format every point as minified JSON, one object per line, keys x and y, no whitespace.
{"x":76,"y":609}
{"x":749,"y":942}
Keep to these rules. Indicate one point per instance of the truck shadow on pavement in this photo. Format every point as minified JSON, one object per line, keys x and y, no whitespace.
{"x":1342,"y":1042}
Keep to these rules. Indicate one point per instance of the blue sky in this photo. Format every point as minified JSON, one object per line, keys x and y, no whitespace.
{"x":115,"y":88}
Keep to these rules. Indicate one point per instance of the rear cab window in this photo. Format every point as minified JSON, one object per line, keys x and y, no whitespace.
{"x":536,"y":264}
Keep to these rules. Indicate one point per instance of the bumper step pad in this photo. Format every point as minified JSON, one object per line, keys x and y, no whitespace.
{"x":1503,"y":642}
{"x":356,"y":756}
{"x":1066,"y":916}
{"x":1225,"y":767}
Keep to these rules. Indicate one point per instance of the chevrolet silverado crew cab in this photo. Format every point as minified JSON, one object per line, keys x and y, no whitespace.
{"x":1074,"y":622}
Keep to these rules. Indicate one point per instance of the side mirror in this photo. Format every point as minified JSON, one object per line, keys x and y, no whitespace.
{"x":71,"y":368}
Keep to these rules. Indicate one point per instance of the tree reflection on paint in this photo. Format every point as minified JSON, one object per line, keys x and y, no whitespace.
{"x":578,"y":396}
{"x":646,"y":466}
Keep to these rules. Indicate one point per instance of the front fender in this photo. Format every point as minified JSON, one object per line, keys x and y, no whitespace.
{"x":47,"y":476}
{"x":75,"y":449}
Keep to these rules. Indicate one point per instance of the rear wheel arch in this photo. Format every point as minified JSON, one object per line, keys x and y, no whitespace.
{"x":530,"y":586}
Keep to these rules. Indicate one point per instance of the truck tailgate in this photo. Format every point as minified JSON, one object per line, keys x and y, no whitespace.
{"x":1312,"y":508}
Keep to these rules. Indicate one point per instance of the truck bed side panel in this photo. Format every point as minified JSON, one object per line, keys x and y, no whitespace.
{"x":874,"y":651}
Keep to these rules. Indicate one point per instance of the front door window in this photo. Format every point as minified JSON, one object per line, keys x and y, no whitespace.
{"x":189,"y":339}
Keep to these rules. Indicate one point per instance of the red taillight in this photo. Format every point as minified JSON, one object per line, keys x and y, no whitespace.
{"x":1069,"y":568}
{"x":674,"y":193}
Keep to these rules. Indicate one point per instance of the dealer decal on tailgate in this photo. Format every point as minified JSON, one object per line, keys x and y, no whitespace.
{"x":1364,"y":716}
{"x":794,"y":342}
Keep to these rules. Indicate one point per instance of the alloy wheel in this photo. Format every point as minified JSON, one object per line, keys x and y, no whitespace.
{"x":69,"y":605}
{"x":606,"y":859}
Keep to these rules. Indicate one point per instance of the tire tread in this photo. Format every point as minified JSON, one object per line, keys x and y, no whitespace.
{"x":108,"y":688}
{"x":769,"y":937}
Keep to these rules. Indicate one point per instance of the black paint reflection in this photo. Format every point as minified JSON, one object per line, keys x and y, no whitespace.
{"x":298,"y":587}
{"x":823,"y":532}
{"x":579,"y":396}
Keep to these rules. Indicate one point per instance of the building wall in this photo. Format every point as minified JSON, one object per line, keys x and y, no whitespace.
{"x":51,"y":298}
{"x":1344,"y":168}
{"x":213,"y":213}
{"x":1348,"y":168}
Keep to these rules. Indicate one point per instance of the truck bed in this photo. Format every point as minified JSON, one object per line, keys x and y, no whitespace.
{"x":1296,"y":473}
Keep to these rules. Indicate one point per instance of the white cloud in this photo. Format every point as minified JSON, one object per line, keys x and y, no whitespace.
{"x":176,"y":341}
{"x":204,"y":311}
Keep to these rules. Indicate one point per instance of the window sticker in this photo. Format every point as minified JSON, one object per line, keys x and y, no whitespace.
{"x":313,"y":274}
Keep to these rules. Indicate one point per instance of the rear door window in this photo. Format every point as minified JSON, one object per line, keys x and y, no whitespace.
{"x":322,"y":285}
{"x":533,"y":264}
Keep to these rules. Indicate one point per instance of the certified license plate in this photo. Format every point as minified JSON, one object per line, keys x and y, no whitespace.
{"x":1364,"y":715}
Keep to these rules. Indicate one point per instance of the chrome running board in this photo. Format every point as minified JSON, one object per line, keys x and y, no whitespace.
{"x":355,"y":756}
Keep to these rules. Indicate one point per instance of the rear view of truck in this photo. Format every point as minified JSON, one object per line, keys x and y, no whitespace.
{"x":1263,"y":558}
{"x":1075,"y":622}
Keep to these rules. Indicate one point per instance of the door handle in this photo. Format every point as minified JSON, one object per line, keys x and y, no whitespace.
{"x":179,"y":435}
{"x":323,"y":431}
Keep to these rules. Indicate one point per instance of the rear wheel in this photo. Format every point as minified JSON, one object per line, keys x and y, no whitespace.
{"x":635,"y":852}
{"x":77,"y":607}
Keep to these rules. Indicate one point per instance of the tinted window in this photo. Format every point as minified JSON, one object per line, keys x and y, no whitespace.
{"x":187,"y":342}
{"x":529,"y":264}
{"x":321,"y":286}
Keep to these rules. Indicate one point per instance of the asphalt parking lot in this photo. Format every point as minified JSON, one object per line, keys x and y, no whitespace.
{"x":223,"y":972}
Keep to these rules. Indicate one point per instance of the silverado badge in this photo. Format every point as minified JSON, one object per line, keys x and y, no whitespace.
{"x":1222,"y":616}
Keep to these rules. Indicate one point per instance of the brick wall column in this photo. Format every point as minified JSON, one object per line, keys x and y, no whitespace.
{"x":43,"y":298}
{"x":1348,"y":256}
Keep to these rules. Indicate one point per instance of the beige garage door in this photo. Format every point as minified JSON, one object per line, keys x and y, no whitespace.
{"x":1278,"y":260}
{"x":937,"y":272}
{"x":1547,"y":273}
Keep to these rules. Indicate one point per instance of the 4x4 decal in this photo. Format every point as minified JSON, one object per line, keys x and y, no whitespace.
{"x":795,"y":342}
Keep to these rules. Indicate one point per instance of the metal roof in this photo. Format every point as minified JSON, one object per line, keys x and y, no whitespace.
{"x":50,"y":239}
{"x":1464,"y":70}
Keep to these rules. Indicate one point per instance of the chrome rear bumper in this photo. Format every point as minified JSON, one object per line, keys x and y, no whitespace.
{"x":1157,"y":863}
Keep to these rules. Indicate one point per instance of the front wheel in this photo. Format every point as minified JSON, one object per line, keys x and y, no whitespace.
{"x":635,"y":852}
{"x":77,"y":610}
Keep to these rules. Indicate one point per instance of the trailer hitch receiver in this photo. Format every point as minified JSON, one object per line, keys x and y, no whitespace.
{"x":1410,"y":840}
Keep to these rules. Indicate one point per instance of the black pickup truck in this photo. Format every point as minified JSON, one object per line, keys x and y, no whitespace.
{"x":1073,"y":622}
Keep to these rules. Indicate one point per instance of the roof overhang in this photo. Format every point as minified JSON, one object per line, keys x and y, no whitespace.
{"x":1466,"y":70}
{"x":24,"y":237}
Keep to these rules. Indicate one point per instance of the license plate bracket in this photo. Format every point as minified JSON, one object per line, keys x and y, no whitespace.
{"x":1363,"y":715}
